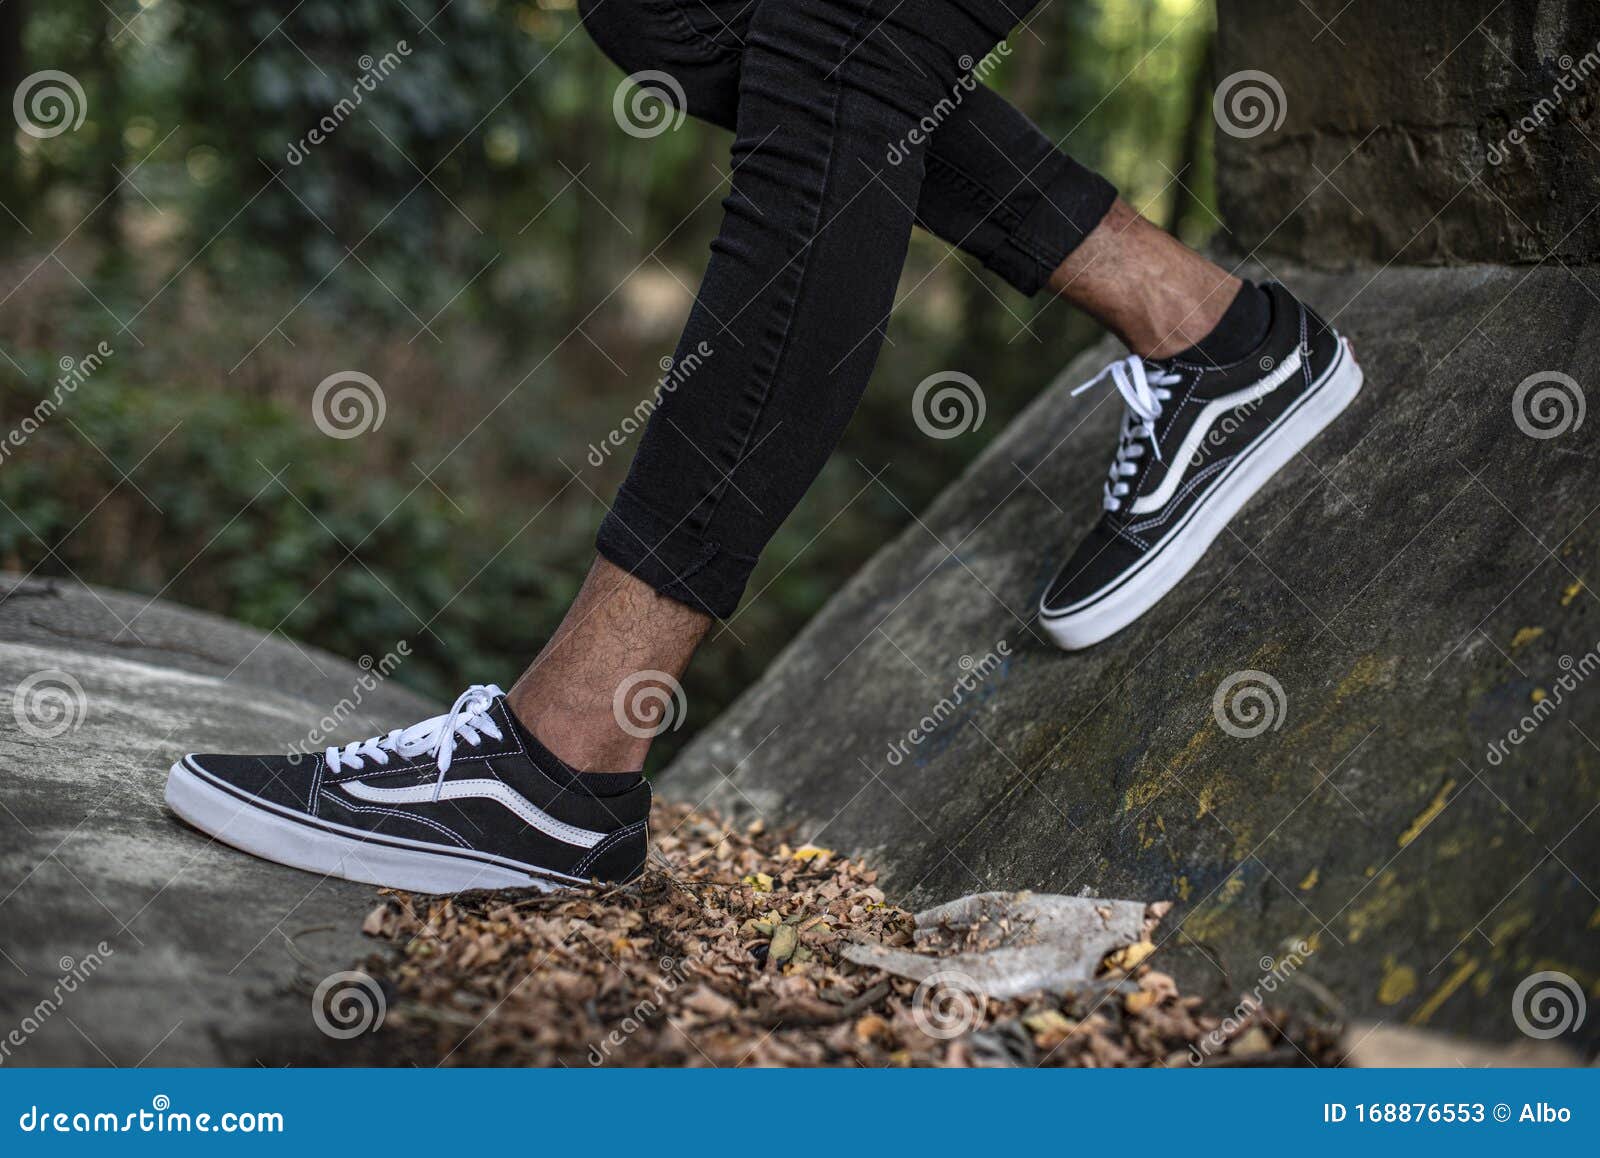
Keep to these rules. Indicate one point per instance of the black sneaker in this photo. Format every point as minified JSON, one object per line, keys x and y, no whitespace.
{"x":467,"y":800}
{"x":1197,"y":442}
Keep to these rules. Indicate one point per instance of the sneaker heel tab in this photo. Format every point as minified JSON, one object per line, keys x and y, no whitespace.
{"x":619,"y":858}
{"x":1316,"y":324}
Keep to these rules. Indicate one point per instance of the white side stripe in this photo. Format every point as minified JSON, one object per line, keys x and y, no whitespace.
{"x":482,"y":790}
{"x":1182,"y":460}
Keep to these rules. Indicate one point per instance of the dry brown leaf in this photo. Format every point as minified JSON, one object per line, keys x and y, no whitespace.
{"x":1129,"y":957}
{"x":728,"y":953}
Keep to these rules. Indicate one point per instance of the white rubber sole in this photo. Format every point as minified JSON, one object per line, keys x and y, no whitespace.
{"x":1159,"y":572}
{"x":262,"y":829}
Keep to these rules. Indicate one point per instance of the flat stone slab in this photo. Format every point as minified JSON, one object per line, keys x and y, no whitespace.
{"x":126,"y":937}
{"x":1414,"y":801}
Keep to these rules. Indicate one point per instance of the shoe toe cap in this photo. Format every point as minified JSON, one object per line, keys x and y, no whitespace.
{"x":280,"y":779}
{"x":1102,"y":557}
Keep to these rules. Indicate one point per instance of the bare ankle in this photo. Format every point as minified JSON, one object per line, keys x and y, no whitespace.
{"x":585,"y":739}
{"x":1144,"y":285}
{"x":607,"y":683}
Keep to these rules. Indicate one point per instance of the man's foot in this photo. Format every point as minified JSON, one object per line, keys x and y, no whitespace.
{"x":467,"y":800}
{"x":1197,"y":441}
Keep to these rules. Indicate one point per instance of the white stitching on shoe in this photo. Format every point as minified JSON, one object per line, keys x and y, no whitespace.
{"x":481,"y":789}
{"x":1172,"y":503}
{"x":402,"y":815}
{"x":614,"y":839}
{"x":391,"y":769}
{"x":316,"y":784}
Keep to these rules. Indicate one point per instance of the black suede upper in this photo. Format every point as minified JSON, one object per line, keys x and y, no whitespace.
{"x":306,"y":787}
{"x":1122,"y":538}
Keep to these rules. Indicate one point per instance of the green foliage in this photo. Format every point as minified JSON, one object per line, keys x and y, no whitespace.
{"x":232,"y":503}
{"x":372,"y":123}
{"x":478,"y":234}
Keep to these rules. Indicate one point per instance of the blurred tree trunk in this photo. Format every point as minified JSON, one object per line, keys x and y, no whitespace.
{"x":13,"y":17}
{"x":593,"y":252}
{"x":105,"y":180}
{"x":1187,"y":202}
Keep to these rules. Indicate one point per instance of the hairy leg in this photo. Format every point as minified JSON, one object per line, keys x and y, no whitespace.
{"x":617,"y":628}
{"x":787,"y":326}
{"x":1144,"y":285}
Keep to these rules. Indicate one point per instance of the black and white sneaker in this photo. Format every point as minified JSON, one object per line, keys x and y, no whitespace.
{"x":466,"y":800}
{"x":1197,"y":442}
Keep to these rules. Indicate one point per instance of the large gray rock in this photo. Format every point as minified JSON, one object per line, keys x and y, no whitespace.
{"x":126,"y":937}
{"x":1414,"y":584}
{"x":1404,"y":603}
{"x":1425,"y":132}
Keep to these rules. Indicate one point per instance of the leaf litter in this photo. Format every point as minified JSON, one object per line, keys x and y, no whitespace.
{"x":735,"y":948}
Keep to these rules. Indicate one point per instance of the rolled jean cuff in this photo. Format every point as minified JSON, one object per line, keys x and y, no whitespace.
{"x":1074,"y":200}
{"x":673,"y":560}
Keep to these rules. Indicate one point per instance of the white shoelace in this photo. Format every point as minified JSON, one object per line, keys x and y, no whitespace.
{"x":1143,"y":389}
{"x":466,"y":720}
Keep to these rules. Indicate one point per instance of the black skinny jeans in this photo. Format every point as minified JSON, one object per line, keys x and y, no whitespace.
{"x":854,"y":120}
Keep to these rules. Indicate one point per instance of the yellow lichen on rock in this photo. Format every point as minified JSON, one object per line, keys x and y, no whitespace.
{"x":1525,"y":636}
{"x":1442,"y":994}
{"x":1378,"y":903}
{"x":1426,"y":816}
{"x":1399,"y":982}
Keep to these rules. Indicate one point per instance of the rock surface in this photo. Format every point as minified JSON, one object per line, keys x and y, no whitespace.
{"x":126,"y":937}
{"x":1428,"y":132}
{"x":1415,"y":584}
{"x":1410,"y":608}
